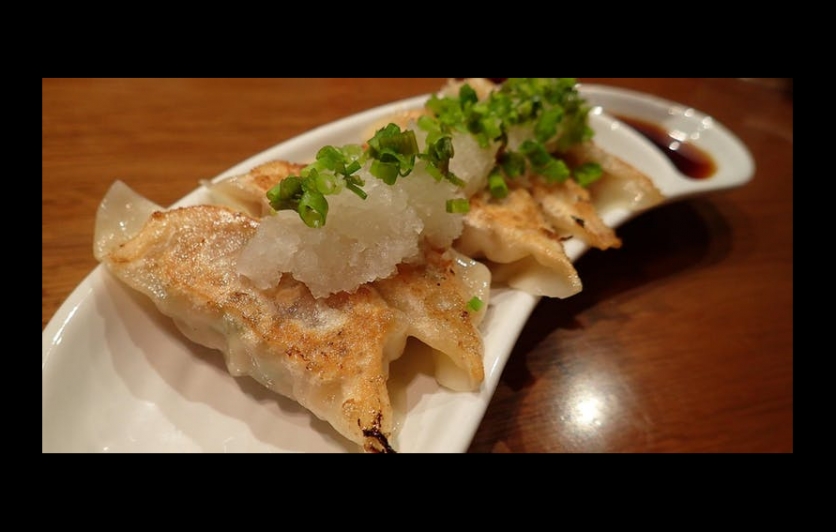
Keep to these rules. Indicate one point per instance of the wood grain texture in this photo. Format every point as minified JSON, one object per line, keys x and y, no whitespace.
{"x":681,"y":341}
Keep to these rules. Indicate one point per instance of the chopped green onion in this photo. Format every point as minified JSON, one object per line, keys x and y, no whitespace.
{"x":512,"y":163}
{"x":546,"y":126}
{"x":542,"y":162}
{"x":329,"y":174}
{"x":356,"y":189}
{"x":313,"y":209}
{"x":588,"y":173}
{"x":552,"y":107}
{"x":555,"y":171}
{"x":458,"y":206}
{"x":385,"y":171}
{"x":467,"y":95}
{"x":286,"y":194}
{"x":438,"y":156}
{"x":496,"y":184}
{"x":475,"y":304}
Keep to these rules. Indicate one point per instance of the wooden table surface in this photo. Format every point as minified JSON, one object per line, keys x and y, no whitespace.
{"x":681,"y":341}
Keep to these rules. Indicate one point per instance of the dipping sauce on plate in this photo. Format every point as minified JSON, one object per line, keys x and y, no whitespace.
{"x":688,"y":158}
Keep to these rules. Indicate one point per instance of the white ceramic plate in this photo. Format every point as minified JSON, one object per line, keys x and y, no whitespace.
{"x":119,"y":377}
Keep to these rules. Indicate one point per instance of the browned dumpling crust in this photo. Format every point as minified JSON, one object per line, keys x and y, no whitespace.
{"x":621,"y":185}
{"x":331,"y":355}
{"x":569,"y":210}
{"x":524,"y":249}
{"x":432,"y":293}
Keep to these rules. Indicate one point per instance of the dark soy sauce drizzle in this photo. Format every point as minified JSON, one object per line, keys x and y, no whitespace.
{"x":689,"y":159}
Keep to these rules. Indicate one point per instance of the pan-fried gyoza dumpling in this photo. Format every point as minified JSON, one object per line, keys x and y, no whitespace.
{"x":330,"y":354}
{"x":525,"y":251}
{"x":434,"y":296}
{"x":433,"y":293}
{"x":621,"y":184}
{"x":568,"y":208}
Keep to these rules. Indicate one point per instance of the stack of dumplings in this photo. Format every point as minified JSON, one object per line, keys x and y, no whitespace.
{"x":319,"y":314}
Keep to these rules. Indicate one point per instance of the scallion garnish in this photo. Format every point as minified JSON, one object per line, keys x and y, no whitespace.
{"x":332,"y":171}
{"x":551,"y":106}
{"x":587,"y":173}
{"x":458,"y":206}
{"x":393,"y":153}
{"x":512,"y":163}
{"x":543,"y":163}
{"x":497,"y":184}
{"x":475,"y":304}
